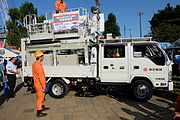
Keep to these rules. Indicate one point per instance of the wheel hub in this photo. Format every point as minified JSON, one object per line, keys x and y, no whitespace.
{"x":141,"y":91}
{"x":57,"y":89}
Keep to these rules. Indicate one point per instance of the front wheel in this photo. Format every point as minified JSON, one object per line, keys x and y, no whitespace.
{"x":142,"y":90}
{"x":58,"y":89}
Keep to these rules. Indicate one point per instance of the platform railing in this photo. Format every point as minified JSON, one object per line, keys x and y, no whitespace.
{"x":47,"y":26}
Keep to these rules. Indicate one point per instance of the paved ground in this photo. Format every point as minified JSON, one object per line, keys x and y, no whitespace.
{"x":102,"y":107}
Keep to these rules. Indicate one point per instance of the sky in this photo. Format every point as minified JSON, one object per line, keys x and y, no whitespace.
{"x":125,"y":11}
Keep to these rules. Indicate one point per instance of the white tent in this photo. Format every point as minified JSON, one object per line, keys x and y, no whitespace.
{"x":8,"y":53}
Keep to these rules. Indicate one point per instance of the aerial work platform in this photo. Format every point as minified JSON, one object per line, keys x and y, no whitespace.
{"x":75,"y":24}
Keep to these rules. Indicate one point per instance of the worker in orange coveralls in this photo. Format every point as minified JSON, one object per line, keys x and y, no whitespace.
{"x":39,"y":83}
{"x":60,"y":6}
{"x":177,"y":109}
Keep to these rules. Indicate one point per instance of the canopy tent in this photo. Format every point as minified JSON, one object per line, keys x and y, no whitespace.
{"x":174,"y":52}
{"x":8,"y":53}
{"x":165,"y":45}
{"x":175,"y":45}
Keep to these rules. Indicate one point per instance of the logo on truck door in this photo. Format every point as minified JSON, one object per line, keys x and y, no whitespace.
{"x":155,"y":69}
{"x":152,"y":69}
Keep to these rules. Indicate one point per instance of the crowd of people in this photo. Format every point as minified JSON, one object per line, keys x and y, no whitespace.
{"x":9,"y":70}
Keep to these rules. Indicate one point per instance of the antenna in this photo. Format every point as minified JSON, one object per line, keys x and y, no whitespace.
{"x":130,"y":34}
{"x":124,"y":31}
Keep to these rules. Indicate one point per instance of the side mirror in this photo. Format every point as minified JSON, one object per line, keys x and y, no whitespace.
{"x":177,"y":59}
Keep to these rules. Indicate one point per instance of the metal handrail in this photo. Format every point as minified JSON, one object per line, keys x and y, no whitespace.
{"x":35,"y":28}
{"x":121,"y":40}
{"x":40,"y":27}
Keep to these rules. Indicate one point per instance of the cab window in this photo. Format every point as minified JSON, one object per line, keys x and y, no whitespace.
{"x":114,"y":51}
{"x":150,"y":51}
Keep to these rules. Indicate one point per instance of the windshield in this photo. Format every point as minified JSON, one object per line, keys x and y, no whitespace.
{"x":151,"y":51}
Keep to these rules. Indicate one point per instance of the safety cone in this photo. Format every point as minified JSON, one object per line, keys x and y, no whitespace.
{"x":6,"y":89}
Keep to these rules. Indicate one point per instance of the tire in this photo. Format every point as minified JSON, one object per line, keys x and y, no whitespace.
{"x":58,"y":89}
{"x":141,"y":90}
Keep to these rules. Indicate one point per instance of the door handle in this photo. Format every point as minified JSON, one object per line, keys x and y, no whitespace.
{"x":111,"y":64}
{"x":121,"y":67}
{"x":105,"y":67}
{"x":136,"y":67}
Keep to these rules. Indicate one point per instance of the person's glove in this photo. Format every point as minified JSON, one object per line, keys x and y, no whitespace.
{"x":45,"y":90}
{"x":47,"y":87}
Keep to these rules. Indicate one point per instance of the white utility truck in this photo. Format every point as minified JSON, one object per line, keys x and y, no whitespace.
{"x":76,"y":56}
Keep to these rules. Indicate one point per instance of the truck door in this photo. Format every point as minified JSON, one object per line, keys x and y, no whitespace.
{"x":149,"y":60}
{"x":113,"y":63}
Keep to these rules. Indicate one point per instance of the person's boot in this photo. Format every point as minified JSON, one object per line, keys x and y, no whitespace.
{"x":28,"y":89}
{"x":44,"y":108}
{"x":33,"y":90}
{"x":40,"y":114}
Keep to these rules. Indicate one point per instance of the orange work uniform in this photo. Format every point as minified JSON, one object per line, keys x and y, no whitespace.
{"x":39,"y":83}
{"x":60,"y":6}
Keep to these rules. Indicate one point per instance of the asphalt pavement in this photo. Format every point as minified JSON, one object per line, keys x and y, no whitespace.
{"x":71,"y":107}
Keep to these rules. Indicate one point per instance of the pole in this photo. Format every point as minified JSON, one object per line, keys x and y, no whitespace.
{"x":124,"y":31}
{"x":130,"y":33}
{"x":140,"y":13}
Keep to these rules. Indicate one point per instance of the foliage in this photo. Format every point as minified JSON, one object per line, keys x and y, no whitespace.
{"x":168,"y":33}
{"x":27,"y":8}
{"x":14,"y":13}
{"x":15,"y":27}
{"x":15,"y":33}
{"x":165,"y":25}
{"x":111,"y":26}
{"x":13,"y":39}
{"x":41,"y":19}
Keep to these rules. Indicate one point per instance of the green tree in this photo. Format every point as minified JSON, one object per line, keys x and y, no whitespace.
{"x":15,"y":27}
{"x":165,"y":25}
{"x":111,"y":26}
{"x":41,"y":19}
{"x":14,"y":13}
{"x":27,"y":8}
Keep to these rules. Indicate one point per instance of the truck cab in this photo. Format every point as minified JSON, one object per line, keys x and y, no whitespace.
{"x":136,"y":64}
